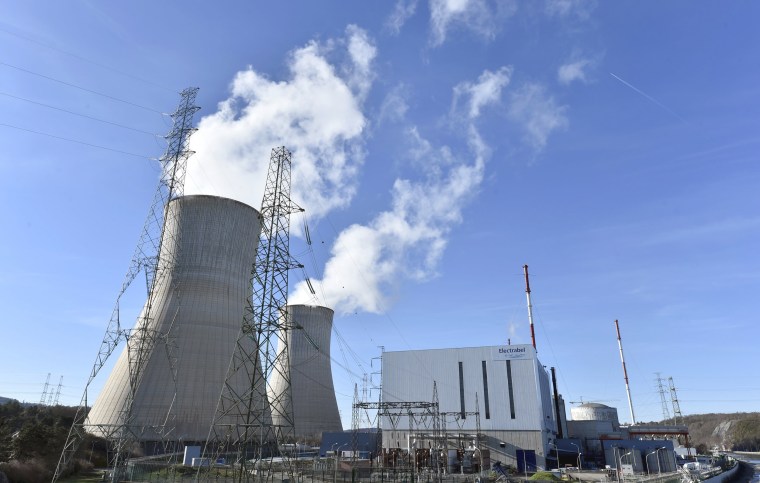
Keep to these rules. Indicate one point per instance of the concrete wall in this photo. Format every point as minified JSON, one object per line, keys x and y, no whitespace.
{"x":314,"y":407}
{"x":194,"y":318}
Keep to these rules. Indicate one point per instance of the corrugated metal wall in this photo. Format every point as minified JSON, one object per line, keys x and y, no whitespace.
{"x":409,"y":376}
{"x":517,"y":393}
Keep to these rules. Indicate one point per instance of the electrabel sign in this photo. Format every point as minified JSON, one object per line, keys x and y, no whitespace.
{"x":512,"y":352}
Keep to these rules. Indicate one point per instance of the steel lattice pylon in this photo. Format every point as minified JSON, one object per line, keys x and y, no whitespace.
{"x":664,"y":403}
{"x":147,"y":259}
{"x":245,"y":429}
{"x":674,"y":400}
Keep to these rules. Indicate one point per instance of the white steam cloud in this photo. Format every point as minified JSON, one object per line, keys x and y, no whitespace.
{"x":408,"y":240}
{"x":316,"y":114}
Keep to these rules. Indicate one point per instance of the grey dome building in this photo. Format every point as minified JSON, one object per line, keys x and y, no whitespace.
{"x":591,"y":411}
{"x":195,"y":314}
{"x":315,"y":408}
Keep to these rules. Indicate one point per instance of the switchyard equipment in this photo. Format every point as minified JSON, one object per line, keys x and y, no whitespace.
{"x":428,"y":439}
{"x":149,"y":260}
{"x":418,"y":414}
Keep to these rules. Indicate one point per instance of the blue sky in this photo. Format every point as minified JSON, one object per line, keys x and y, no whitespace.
{"x":438,"y":147}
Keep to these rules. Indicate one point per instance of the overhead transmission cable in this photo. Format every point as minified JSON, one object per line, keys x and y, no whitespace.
{"x":76,"y":141}
{"x":342,"y":345}
{"x":84,"y":89}
{"x":551,"y":348}
{"x":80,"y":114}
{"x":85,"y":59}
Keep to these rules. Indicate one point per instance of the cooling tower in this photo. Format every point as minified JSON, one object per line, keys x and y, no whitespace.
{"x":195,"y":317}
{"x":315,"y":408}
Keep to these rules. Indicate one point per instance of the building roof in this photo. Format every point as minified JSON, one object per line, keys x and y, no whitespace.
{"x":594,"y":405}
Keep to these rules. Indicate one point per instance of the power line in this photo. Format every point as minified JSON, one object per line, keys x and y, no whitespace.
{"x":83,"y":88}
{"x":75,"y":141}
{"x":78,"y":114}
{"x":103,"y":66}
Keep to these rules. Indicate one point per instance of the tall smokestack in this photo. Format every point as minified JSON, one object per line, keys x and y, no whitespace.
{"x":625,"y":373}
{"x":530,"y":307}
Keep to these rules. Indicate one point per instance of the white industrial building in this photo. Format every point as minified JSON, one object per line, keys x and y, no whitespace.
{"x":503,"y":391}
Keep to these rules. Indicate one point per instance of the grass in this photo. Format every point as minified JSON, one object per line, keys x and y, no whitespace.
{"x":90,"y":476}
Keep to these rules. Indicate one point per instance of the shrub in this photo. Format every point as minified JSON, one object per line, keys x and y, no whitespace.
{"x":544,"y":476}
{"x":30,"y":471}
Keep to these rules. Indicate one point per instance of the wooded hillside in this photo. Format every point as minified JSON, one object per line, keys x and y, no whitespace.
{"x":726,"y":431}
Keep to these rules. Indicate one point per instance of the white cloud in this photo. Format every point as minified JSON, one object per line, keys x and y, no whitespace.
{"x":480,"y":16}
{"x":316,"y":114}
{"x":537,"y":112}
{"x":420,"y":147}
{"x":486,"y":91}
{"x":407,"y":240}
{"x":573,"y":71}
{"x":402,"y":11}
{"x":394,"y":105}
{"x":362,"y":52}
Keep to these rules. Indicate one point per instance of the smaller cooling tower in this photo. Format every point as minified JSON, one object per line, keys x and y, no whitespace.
{"x":595,"y":412}
{"x":195,"y":313}
{"x":315,"y":408}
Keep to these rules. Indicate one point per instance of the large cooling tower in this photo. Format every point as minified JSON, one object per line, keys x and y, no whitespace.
{"x":195,"y":316}
{"x":315,"y":408}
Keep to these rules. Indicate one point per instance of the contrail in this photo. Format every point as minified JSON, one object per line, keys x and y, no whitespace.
{"x":648,"y":97}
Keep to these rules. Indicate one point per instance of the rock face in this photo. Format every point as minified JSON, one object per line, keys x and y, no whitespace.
{"x":727,"y":432}
{"x":721,"y":433}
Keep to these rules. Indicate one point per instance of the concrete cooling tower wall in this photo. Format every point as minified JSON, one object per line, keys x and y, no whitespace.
{"x":195,"y":315}
{"x":315,"y":408}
